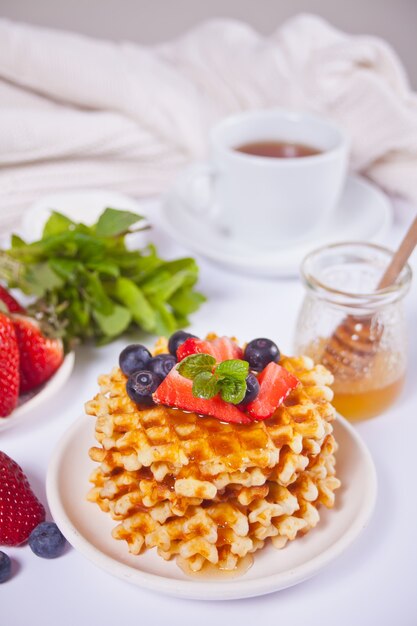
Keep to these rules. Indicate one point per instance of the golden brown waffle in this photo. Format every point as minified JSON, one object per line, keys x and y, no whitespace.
{"x":207,"y":491}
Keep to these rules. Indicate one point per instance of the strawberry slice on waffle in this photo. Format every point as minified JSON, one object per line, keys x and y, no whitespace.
{"x":176,"y":391}
{"x":221,"y":348}
{"x":275,"y":383}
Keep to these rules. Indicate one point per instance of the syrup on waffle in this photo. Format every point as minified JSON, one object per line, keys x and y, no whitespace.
{"x":207,"y":492}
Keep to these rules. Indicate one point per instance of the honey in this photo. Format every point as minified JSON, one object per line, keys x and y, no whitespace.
{"x":363,"y":405}
{"x":353,"y":322}
{"x":369,"y":392}
{"x":212,"y":572}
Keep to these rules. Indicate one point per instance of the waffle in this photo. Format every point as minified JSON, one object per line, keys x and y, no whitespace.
{"x":208,"y":492}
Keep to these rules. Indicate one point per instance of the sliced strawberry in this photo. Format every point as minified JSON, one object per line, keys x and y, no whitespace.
{"x":9,"y":367}
{"x":176,"y":391}
{"x":222,"y":348}
{"x":40,"y":356}
{"x":20,"y":510}
{"x":275,"y":384}
{"x":192,"y":345}
{"x":12,"y":304}
{"x":225,"y":349}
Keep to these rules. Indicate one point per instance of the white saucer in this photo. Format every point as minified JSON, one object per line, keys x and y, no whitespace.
{"x":364,"y":213}
{"x":88,"y":529}
{"x":30,"y":401}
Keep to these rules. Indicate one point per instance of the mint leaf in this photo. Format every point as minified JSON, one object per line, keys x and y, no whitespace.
{"x":195,"y":364}
{"x":233,"y":368}
{"x":17,"y":242}
{"x":185,"y":301}
{"x":232,"y":390}
{"x":65,"y":268}
{"x":228,"y":379}
{"x":132,"y":297}
{"x":163,"y":285}
{"x":96,"y":294}
{"x":205,"y":385}
{"x":57,"y":223}
{"x":42,"y":278}
{"x":115,"y":322}
{"x":165,"y":322}
{"x":105,"y":268}
{"x":113,"y":222}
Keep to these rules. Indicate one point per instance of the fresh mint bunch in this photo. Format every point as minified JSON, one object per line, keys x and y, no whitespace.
{"x":88,"y":284}
{"x":228,"y":378}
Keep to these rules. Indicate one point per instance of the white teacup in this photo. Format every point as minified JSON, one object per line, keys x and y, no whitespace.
{"x":270,"y":201}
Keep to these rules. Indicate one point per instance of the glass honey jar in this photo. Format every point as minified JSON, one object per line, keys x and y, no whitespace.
{"x":355,"y":329}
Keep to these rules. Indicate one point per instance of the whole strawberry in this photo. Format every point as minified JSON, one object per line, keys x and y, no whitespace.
{"x":20,"y":510}
{"x":9,"y":366}
{"x":12,"y":305}
{"x":40,"y":356}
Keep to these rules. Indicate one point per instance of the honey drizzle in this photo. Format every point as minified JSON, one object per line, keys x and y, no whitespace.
{"x":212,"y":572}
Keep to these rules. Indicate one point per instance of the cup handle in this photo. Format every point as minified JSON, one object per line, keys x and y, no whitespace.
{"x":195,"y":190}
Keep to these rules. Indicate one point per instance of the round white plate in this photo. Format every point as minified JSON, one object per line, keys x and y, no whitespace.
{"x":88,"y":529}
{"x":31,"y":401}
{"x":364,"y":213}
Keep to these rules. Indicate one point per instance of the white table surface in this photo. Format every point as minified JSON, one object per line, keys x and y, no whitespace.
{"x":373,"y":582}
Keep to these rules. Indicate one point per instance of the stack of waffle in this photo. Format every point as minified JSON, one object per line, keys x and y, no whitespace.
{"x":210,"y":492}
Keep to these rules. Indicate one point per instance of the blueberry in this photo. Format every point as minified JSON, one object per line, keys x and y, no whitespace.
{"x":47,"y":541}
{"x":177,"y":339}
{"x":5,"y":567}
{"x":134,"y":358}
{"x":252,"y":389}
{"x":260,"y":352}
{"x":162,"y":364}
{"x":141,"y":385}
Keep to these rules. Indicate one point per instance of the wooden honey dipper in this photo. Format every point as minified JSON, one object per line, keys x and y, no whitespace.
{"x":355,"y":340}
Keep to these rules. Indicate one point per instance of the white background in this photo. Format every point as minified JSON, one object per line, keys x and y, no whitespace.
{"x":373,"y":583}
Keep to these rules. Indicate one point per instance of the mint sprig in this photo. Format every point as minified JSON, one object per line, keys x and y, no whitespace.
{"x":92,"y":283}
{"x":227,"y":379}
{"x":205,"y":385}
{"x":193,"y":365}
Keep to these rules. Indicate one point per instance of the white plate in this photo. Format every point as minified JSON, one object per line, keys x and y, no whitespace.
{"x":88,"y":529}
{"x":30,"y":401}
{"x":364,"y":213}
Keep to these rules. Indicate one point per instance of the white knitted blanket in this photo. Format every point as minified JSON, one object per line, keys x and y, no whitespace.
{"x":77,"y":112}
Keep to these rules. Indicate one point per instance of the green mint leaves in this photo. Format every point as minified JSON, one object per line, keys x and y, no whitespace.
{"x":114,"y":222}
{"x":228,"y":378}
{"x":88,"y":284}
{"x":234,"y":369}
{"x":205,"y":385}
{"x":193,"y":365}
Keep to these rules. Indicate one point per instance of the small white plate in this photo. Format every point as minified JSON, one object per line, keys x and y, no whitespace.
{"x":88,"y":529}
{"x":364,"y":213}
{"x":30,"y":401}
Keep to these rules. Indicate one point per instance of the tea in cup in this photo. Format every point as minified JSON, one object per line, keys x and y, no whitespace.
{"x":274,"y":176}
